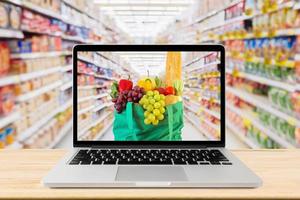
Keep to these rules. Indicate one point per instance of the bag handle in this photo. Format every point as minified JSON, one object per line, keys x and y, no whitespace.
{"x":170,"y":121}
{"x":129,"y":117}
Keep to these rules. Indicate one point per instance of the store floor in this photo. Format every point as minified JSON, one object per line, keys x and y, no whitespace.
{"x":189,"y":133}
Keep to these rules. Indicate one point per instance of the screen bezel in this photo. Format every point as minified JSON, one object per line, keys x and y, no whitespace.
{"x":150,"y":144}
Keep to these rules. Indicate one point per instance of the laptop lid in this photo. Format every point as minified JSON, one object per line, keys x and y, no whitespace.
{"x":149,"y":96}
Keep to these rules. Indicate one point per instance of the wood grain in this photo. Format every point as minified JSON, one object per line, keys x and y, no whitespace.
{"x":22,"y":170}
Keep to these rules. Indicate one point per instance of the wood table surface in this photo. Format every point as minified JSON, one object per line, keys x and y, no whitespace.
{"x":21,"y":172}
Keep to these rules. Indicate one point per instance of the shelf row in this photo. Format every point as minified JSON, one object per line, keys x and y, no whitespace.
{"x":286,"y":86}
{"x":94,"y":108}
{"x":67,"y":129}
{"x":289,"y":4}
{"x":82,"y":132}
{"x":239,"y":134}
{"x":246,"y":115}
{"x":92,"y":97}
{"x":30,"y":131}
{"x":214,"y":126}
{"x":39,"y":124}
{"x":190,"y":69}
{"x":15,"y":79}
{"x":264,"y":104}
{"x":46,"y":12}
{"x":201,"y":108}
{"x":196,"y":125}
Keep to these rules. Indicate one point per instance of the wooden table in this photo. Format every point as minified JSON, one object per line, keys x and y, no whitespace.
{"x":22,"y":170}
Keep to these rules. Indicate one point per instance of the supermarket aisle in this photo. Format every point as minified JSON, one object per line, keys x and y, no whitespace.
{"x":189,"y":132}
{"x":262,"y":65}
{"x":108,"y":135}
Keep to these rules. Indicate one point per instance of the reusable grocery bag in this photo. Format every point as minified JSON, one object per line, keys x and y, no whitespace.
{"x":129,"y":125}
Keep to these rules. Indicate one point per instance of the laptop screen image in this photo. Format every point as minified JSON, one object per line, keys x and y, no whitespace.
{"x":148,"y":96}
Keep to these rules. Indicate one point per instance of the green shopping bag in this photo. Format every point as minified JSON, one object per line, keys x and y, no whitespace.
{"x":129,"y":125}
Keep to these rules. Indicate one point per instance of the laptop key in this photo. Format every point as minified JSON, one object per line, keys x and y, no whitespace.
{"x":215,"y":163}
{"x":204,"y":163}
{"x":226,"y":163}
{"x":85,"y":162}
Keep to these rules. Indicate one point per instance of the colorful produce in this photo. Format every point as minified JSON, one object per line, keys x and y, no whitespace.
{"x":114,"y":90}
{"x":147,"y":83}
{"x":161,"y":90}
{"x":125,"y":84}
{"x":178,"y":85}
{"x":158,"y":82}
{"x":125,"y":96}
{"x":173,"y":67}
{"x":154,"y":106}
{"x":169,"y":90}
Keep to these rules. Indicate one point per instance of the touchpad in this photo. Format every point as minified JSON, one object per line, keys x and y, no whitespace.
{"x":151,"y":173}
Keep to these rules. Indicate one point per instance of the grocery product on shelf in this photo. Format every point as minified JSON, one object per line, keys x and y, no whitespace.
{"x":10,"y":16}
{"x":7,"y":135}
{"x":258,"y":116}
{"x":7,"y":100}
{"x":36,"y":44}
{"x":5,"y":57}
{"x":47,"y":136}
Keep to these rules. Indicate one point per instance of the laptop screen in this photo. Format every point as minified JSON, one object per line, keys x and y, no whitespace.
{"x":148,"y":96}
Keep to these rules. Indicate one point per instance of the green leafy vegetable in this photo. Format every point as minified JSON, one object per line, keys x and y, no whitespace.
{"x":114,"y":90}
{"x":178,"y":85}
{"x":158,"y":82}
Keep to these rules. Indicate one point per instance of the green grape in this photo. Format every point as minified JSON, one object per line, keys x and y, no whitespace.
{"x":162,"y":97}
{"x":151,"y":117}
{"x":155,"y":122}
{"x":146,"y":113}
{"x":145,"y":106}
{"x":156,"y":112}
{"x":162,"y":103}
{"x":156,"y":92}
{"x":157,"y":105}
{"x":146,"y":101}
{"x":141,"y":102}
{"x":149,"y":108}
{"x":149,"y":93}
{"x":162,"y":110}
{"x":160,"y":117}
{"x":147,"y":121}
{"x":157,"y":97}
{"x":152,"y":101}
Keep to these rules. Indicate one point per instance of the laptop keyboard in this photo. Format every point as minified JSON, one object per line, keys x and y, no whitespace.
{"x":149,"y":157}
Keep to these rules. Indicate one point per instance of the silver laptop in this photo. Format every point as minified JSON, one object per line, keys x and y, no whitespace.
{"x":149,"y":116}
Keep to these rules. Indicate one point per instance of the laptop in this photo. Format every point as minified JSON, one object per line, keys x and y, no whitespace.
{"x":149,"y":116}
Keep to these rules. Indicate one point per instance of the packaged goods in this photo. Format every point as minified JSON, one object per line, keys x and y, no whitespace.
{"x":6,"y":100}
{"x":4,"y":15}
{"x":15,"y":17}
{"x":4,"y":58}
